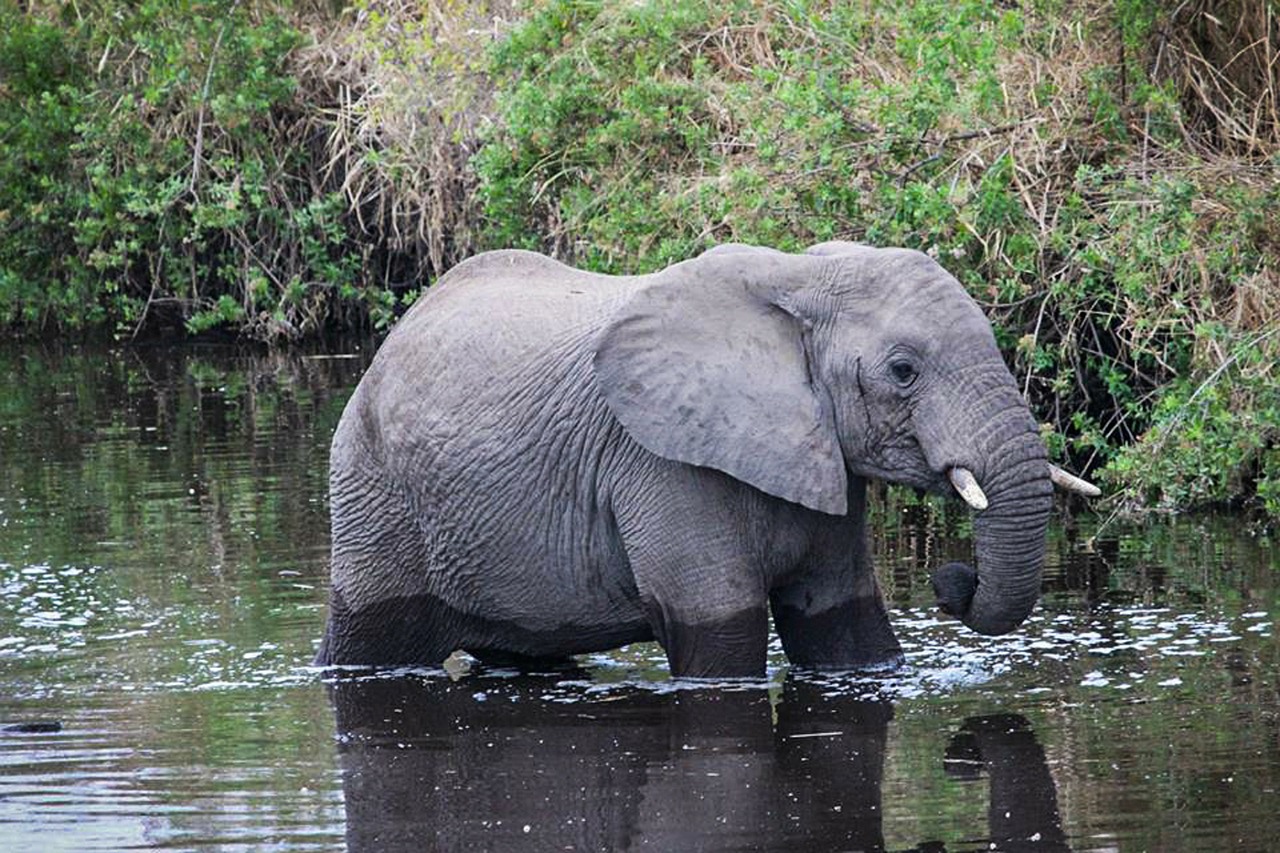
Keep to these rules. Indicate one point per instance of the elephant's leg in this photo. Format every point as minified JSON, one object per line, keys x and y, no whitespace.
{"x":391,"y":632}
{"x":381,"y":612}
{"x":832,"y":615}
{"x":701,"y":643}
{"x":701,"y":588}
{"x":825,"y":627}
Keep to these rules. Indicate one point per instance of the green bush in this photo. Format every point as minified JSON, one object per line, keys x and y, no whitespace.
{"x":148,"y":174}
{"x":43,"y":102}
{"x":1026,"y":148}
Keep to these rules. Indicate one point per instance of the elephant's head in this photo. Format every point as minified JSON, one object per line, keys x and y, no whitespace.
{"x":790,"y":371}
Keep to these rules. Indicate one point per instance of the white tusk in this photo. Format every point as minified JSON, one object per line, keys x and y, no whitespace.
{"x":1072,"y":483}
{"x":968,"y":488}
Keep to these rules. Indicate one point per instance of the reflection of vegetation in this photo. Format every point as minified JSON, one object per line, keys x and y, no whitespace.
{"x":165,"y":507}
{"x":1205,"y":758}
{"x":1194,"y":561}
{"x":157,"y":436}
{"x":187,"y":474}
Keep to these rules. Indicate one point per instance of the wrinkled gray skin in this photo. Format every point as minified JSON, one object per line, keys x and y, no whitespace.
{"x":542,"y":462}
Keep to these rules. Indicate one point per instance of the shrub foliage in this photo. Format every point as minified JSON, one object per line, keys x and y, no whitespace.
{"x":1097,"y":174}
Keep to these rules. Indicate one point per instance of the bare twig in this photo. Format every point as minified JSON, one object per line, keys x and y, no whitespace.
{"x":204,"y":98}
{"x":951,"y":139}
{"x":1035,"y":336}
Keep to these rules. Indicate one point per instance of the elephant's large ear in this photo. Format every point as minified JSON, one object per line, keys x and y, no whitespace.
{"x":704,"y":365}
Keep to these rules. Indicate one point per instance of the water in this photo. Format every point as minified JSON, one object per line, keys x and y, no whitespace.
{"x":162,"y":579}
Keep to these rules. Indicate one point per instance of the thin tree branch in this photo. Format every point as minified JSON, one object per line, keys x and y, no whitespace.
{"x":204,"y":98}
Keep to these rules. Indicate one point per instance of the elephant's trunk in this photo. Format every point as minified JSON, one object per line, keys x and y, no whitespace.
{"x":996,"y":461}
{"x":1010,"y":536}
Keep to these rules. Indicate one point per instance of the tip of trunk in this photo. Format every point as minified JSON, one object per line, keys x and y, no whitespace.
{"x":990,"y":626}
{"x":956,"y":586}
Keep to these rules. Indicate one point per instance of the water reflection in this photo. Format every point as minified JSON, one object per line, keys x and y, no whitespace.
{"x":1023,"y":812}
{"x":432,"y":763}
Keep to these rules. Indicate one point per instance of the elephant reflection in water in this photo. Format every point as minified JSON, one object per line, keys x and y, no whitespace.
{"x":454,"y":766}
{"x":1023,"y":814}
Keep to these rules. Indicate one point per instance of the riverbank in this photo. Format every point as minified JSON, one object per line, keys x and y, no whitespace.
{"x":1097,"y":174}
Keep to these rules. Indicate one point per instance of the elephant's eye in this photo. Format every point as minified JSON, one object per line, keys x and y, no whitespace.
{"x":904,"y":372}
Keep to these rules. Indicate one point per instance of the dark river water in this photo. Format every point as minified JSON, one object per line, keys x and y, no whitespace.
{"x":163,"y":539}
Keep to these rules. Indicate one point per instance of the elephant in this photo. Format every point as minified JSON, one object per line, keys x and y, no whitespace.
{"x":541,"y":462}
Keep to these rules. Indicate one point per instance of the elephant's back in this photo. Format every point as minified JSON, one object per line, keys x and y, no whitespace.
{"x":494,"y":313}
{"x":498,"y":340}
{"x":524,"y":293}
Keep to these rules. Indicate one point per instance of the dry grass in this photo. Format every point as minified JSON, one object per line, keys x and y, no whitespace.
{"x":405,"y":97}
{"x":1224,"y":57}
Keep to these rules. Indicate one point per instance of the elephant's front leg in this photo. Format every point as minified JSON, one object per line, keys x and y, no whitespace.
{"x":701,"y":587}
{"x":832,"y":614}
{"x":707,"y":644}
{"x":835,"y":629}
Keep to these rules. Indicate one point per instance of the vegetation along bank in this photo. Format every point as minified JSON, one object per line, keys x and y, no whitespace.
{"x":1101,"y":175}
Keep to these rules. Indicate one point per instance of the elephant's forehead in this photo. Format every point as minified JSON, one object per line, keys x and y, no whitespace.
{"x":894,"y":277}
{"x":934,"y":306}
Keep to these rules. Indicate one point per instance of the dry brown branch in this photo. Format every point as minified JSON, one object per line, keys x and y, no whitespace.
{"x":1225,"y":59}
